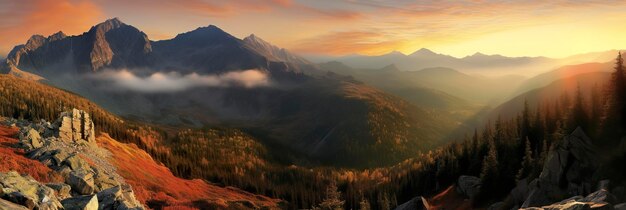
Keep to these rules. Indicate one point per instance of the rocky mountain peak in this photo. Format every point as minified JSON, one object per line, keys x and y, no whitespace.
{"x":57,"y":36}
{"x":422,"y":52}
{"x":35,"y":41}
{"x":109,"y":24}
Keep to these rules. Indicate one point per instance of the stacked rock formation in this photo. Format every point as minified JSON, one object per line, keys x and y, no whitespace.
{"x":69,"y":147}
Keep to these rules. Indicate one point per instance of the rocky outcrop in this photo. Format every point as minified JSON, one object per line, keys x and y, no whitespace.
{"x":67,"y":146}
{"x":31,"y":139}
{"x":468,"y":186}
{"x":75,"y":126}
{"x":600,"y":200}
{"x":417,"y":203}
{"x":26,"y":191}
{"x":81,"y":182}
{"x":567,"y":171}
{"x":62,"y":190}
{"x":566,"y":181}
{"x":87,"y":202}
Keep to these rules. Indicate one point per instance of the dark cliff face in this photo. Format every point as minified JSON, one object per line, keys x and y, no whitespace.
{"x":114,"y":44}
{"x":109,"y":44}
{"x":207,"y":50}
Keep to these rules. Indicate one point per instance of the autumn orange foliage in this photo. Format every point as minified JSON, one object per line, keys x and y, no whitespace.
{"x":156,"y":186}
{"x":13,"y":159}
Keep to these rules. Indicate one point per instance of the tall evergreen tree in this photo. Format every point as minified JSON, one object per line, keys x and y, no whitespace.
{"x":615,"y":120}
{"x":579,"y":114}
{"x":527,"y":162}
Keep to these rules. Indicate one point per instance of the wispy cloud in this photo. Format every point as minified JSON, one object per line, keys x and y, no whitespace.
{"x":123,"y":80}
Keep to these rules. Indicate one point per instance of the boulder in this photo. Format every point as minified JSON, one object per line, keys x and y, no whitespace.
{"x":599,"y":196}
{"x":26,"y":191}
{"x":31,"y":139}
{"x":128,"y":200}
{"x":62,"y":190}
{"x":594,"y":201}
{"x":7,"y":205}
{"x":60,"y":156}
{"x":604,"y":184}
{"x":76,"y":125}
{"x":621,"y":206}
{"x":469,"y":185}
{"x":103,"y":181}
{"x":417,"y":203}
{"x":567,"y":171}
{"x":109,"y":198}
{"x":87,"y":202}
{"x":82,"y":182}
{"x":76,"y":163}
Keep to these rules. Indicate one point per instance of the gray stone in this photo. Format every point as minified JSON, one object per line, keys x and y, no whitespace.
{"x":103,"y":181}
{"x":567,"y":171}
{"x":599,"y":196}
{"x":31,"y":139}
{"x":87,"y":202}
{"x":60,"y":156}
{"x":77,"y":163}
{"x":621,"y":206}
{"x":109,"y":198}
{"x":81,"y":182}
{"x":469,"y":185}
{"x":417,"y":203}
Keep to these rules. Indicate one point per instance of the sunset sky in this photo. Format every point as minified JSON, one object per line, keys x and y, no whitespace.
{"x":555,"y":28}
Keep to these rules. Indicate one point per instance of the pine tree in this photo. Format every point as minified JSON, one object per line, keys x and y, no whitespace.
{"x":364,"y":205}
{"x":525,"y":122}
{"x":579,"y":113}
{"x":333,"y":198}
{"x":527,"y":162}
{"x":615,"y":115}
{"x":490,"y":164}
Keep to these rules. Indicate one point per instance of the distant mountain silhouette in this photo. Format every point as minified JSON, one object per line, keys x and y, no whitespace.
{"x":476,"y":63}
{"x":114,"y":44}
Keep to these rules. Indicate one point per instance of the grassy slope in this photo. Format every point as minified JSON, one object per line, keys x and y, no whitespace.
{"x":155,"y":185}
{"x":13,"y":159}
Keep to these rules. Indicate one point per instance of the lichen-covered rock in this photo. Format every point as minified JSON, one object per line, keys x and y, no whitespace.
{"x":31,"y":139}
{"x":87,"y":202}
{"x":62,"y":190}
{"x":60,"y":156}
{"x":76,"y":163}
{"x":81,"y":182}
{"x":469,"y":185}
{"x":26,"y":191}
{"x":103,"y":181}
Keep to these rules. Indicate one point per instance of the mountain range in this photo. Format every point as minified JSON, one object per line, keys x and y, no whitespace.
{"x":477,"y":63}
{"x":322,"y":117}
